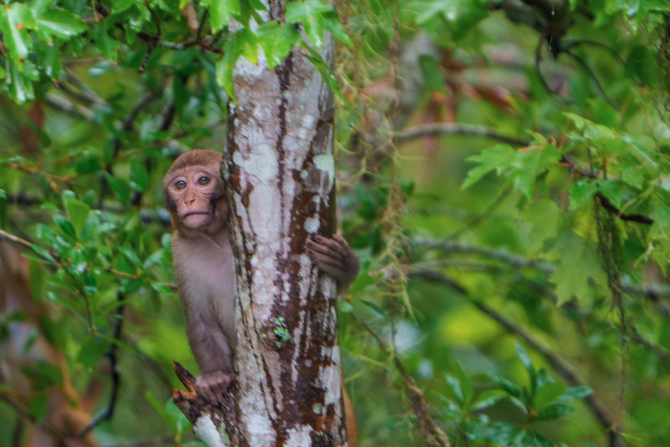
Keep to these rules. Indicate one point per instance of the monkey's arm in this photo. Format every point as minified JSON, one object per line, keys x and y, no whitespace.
{"x":211,"y":351}
{"x":335,"y":257}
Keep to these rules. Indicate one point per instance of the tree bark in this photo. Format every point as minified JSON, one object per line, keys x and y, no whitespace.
{"x":279,"y":172}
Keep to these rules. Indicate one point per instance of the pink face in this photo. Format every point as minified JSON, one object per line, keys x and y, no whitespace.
{"x":192,"y":190}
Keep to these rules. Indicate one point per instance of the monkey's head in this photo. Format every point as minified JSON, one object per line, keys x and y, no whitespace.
{"x":195,"y":193}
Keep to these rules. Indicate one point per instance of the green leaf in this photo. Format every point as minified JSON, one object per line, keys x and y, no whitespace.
{"x":335,"y":27}
{"x":122,"y":5}
{"x":553,"y":412}
{"x":220,"y":12}
{"x":326,"y":73}
{"x":364,"y":278}
{"x":529,"y":164}
{"x":160,"y":408}
{"x":612,"y":190}
{"x":528,"y":364}
{"x":461,"y":16}
{"x":574,"y":393}
{"x":310,"y":14}
{"x":107,"y":44}
{"x":577,"y":120}
{"x":3,"y":194}
{"x":139,"y":176}
{"x":132,"y":256}
{"x":58,"y":22}
{"x":224,"y":67}
{"x":78,"y":213}
{"x":20,"y":87}
{"x":578,"y":263}
{"x":548,"y":394}
{"x":455,"y":386}
{"x":466,"y":384}
{"x":277,"y":41}
{"x":3,"y":73}
{"x":65,"y":225}
{"x":581,"y":192}
{"x":43,"y":253}
{"x":509,"y":387}
{"x":487,"y":399}
{"x":120,"y":188}
{"x":498,"y":157}
{"x":15,"y":21}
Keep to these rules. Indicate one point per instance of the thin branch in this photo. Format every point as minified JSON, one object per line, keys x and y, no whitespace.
{"x":609,"y":206}
{"x":538,"y":59}
{"x":25,"y":414}
{"x":114,"y":370}
{"x":594,"y":43}
{"x":651,"y":291}
{"x":425,"y":130}
{"x":511,"y":259}
{"x":586,"y":67}
{"x":66,"y":106}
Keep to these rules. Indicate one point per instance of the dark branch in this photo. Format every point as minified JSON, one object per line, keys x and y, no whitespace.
{"x":114,"y":370}
{"x":425,"y":130}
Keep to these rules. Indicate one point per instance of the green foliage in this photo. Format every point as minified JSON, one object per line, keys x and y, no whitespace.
{"x":536,"y":215}
{"x":543,"y":400}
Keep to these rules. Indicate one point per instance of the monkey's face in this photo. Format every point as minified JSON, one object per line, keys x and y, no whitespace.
{"x":194,"y":193}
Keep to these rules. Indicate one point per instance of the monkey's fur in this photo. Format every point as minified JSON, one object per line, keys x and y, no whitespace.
{"x":204,"y":269}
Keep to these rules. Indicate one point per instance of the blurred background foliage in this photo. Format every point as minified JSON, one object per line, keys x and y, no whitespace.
{"x":504,"y":176}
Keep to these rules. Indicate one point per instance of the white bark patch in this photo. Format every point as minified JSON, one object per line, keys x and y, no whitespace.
{"x":205,"y":429}
{"x":312,"y":224}
{"x":299,"y":437}
{"x":259,"y":161}
{"x":326,"y":163}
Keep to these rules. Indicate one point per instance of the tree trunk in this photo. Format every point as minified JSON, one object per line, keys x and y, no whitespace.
{"x":279,"y":171}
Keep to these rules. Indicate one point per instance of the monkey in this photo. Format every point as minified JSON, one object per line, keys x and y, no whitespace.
{"x":203,"y":260}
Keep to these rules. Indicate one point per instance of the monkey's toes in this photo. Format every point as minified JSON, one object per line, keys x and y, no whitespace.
{"x":213,"y":385}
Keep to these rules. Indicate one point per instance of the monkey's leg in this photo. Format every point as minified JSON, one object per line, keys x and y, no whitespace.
{"x":213,"y":355}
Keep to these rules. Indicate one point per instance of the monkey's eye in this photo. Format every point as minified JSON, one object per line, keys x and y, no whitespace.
{"x":203,"y":180}
{"x":180,"y":184}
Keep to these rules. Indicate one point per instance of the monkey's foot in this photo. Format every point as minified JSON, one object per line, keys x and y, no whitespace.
{"x":212,"y":385}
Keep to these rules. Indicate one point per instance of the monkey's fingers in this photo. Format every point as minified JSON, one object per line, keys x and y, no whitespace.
{"x":334,"y":246}
{"x":326,"y":263}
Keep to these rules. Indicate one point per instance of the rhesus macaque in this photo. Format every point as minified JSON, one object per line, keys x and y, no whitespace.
{"x":67,"y":412}
{"x":204,"y":268}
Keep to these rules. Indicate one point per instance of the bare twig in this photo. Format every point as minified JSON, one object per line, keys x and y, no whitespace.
{"x":425,"y":130}
{"x":651,"y":291}
{"x":62,"y":104}
{"x":25,"y":414}
{"x":114,"y":370}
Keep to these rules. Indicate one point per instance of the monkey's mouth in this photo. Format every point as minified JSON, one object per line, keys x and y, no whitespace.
{"x":194,"y":213}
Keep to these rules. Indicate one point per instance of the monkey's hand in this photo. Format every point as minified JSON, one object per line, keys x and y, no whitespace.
{"x":335,"y":257}
{"x":212,"y":385}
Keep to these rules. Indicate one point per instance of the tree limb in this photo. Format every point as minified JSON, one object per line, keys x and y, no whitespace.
{"x":425,"y":130}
